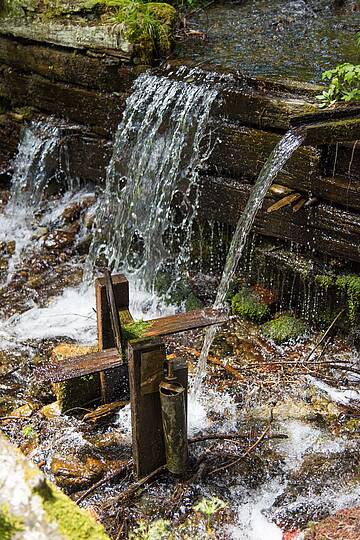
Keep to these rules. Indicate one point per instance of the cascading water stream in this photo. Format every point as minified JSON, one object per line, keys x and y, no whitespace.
{"x":158,"y":148}
{"x":37,"y":155}
{"x":283,"y":151}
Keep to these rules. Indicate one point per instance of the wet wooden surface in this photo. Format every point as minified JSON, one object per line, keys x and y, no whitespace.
{"x":114,"y":381}
{"x":70,"y":368}
{"x":327,"y":229}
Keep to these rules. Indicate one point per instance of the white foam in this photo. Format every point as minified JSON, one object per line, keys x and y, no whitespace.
{"x":343,"y":396}
{"x":69,"y":315}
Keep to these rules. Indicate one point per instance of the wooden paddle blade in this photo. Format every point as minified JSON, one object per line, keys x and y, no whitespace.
{"x":78,"y":366}
{"x":185,"y":321}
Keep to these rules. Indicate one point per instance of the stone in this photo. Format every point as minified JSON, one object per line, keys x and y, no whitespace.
{"x":72,"y":474}
{"x":344,"y":524}
{"x":52,"y":410}
{"x":10,"y":247}
{"x":284,"y":328}
{"x":59,"y":239}
{"x":96,"y":37}
{"x":31,"y":506}
{"x":71,"y":213}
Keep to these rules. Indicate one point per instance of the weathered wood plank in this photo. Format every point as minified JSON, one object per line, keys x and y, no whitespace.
{"x":146,"y":371}
{"x":102,"y":110}
{"x":69,"y":368}
{"x":332,"y":132}
{"x":114,"y":382}
{"x":240,"y":152}
{"x":185,"y":321}
{"x":101,"y":72}
{"x":97,"y":37}
{"x":324,"y":228}
{"x":78,"y":366}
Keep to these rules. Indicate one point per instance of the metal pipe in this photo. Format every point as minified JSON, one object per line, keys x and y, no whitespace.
{"x":174,"y":419}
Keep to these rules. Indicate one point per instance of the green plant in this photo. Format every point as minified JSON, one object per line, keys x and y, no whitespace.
{"x":248,"y":305}
{"x":209,"y":507}
{"x":28,"y":432}
{"x":283,"y":328}
{"x":157,"y":530}
{"x":344,"y":83}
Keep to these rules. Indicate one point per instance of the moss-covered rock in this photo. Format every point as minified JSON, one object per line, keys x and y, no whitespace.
{"x":9,"y":524}
{"x":346,"y":286}
{"x":283,"y":328}
{"x":75,"y":392}
{"x":30,"y":506}
{"x":248,"y":304}
{"x":148,"y":26}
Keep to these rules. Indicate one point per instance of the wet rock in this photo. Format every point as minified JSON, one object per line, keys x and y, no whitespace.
{"x":87,"y":201}
{"x":32,"y":507}
{"x":40,"y":233}
{"x":89,"y":218}
{"x":25,"y":411}
{"x":10,"y":247}
{"x":284,"y":328}
{"x":81,"y":390}
{"x":344,"y":525}
{"x":34,"y":282}
{"x":59,"y":239}
{"x":71,"y":213}
{"x":249,"y":305}
{"x":104,"y":411}
{"x":111,"y":439}
{"x":4,"y":264}
{"x":52,"y":410}
{"x":74,"y":475}
{"x":319,"y":473}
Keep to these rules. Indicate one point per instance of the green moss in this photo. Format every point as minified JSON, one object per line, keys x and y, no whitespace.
{"x":76,"y":392}
{"x":135,"y":330}
{"x":148,"y":26}
{"x":325,"y":281}
{"x":283,"y":328}
{"x":73,"y":523}
{"x":9,"y":524}
{"x":248,"y":305}
{"x":349,"y":286}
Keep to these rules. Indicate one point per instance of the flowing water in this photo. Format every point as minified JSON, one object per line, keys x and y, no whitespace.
{"x":158,"y":148}
{"x":291,"y":141}
{"x":36,"y":157}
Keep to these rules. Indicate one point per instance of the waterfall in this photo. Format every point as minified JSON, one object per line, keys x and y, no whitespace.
{"x":283,"y":151}
{"x":35,"y":164}
{"x":150,"y":198}
{"x":37,"y":155}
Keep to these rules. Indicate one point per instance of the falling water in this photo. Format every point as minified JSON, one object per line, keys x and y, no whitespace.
{"x":158,"y":148}
{"x":37,"y":154}
{"x":276,"y":161}
{"x":34,"y":165}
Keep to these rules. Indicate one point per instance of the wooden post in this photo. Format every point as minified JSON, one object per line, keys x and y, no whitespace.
{"x":146,"y":371}
{"x":114,"y":382}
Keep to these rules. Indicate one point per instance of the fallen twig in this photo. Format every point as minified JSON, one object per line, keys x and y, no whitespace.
{"x":104,"y":480}
{"x":324,"y":335}
{"x":134,"y":487}
{"x":230,"y":436}
{"x":249,"y":450}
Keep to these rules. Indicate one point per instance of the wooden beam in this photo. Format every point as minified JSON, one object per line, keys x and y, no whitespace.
{"x":146,"y":371}
{"x":114,"y":382}
{"x":69,"y":368}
